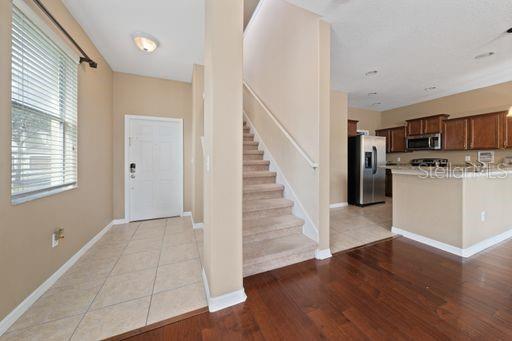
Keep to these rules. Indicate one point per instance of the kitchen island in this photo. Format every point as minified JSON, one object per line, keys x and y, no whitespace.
{"x":459,"y":210}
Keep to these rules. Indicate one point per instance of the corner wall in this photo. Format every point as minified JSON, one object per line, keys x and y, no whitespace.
{"x":197,"y":148}
{"x":26,"y":256}
{"x":338,"y":148}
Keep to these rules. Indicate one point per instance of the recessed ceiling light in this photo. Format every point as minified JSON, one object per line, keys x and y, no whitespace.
{"x":371,"y":73}
{"x":485,"y":55}
{"x":376,"y":103}
{"x":145,"y":42}
{"x":431,"y":88}
{"x":372,"y":94}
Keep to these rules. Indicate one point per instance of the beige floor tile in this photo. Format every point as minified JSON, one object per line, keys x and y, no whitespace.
{"x":199,"y":234}
{"x":180,"y":238}
{"x":176,"y":275}
{"x":153,"y":223}
{"x":66,"y":303}
{"x":113,"y":320}
{"x":152,"y":232}
{"x":141,"y":245}
{"x":50,"y":331}
{"x":184,"y":221}
{"x":135,"y":262}
{"x":180,"y":253}
{"x":172,"y":303}
{"x":104,"y":253}
{"x":177,"y":228}
{"x":125,"y":287}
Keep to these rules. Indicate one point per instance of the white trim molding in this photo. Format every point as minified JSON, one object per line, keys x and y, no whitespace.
{"x":467,"y":252}
{"x":223,"y":301}
{"x":309,"y":229}
{"x":14,"y":315}
{"x":338,"y":205}
{"x":323,"y":254}
{"x":120,"y":221}
{"x":186,"y":214}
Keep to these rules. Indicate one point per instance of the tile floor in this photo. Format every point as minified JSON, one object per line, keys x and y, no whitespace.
{"x":136,"y":274}
{"x":354,"y":226}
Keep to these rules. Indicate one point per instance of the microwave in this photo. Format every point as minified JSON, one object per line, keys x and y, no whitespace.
{"x":424,"y":142}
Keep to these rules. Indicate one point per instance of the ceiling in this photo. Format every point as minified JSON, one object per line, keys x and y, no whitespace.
{"x":177,"y":24}
{"x":414,"y":45}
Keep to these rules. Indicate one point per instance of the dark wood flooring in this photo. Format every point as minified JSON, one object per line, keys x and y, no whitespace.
{"x":397,"y":289}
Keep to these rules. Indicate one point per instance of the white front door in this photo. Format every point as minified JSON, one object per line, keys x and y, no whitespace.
{"x":155,"y":168}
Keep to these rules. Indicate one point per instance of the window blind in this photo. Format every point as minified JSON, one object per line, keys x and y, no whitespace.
{"x":44,"y":112}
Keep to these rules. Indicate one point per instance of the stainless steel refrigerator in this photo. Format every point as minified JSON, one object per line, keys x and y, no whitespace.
{"x":366,"y":172}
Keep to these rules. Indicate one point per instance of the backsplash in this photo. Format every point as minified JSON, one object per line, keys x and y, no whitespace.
{"x":455,"y":157}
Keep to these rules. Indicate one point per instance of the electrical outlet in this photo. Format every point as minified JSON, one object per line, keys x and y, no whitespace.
{"x":483,"y":216}
{"x":467,"y":158}
{"x":397,"y":159}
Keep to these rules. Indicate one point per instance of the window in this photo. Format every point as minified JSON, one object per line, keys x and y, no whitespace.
{"x":44,"y":112}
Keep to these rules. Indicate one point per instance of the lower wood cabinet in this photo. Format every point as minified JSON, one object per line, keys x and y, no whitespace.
{"x":455,"y":134}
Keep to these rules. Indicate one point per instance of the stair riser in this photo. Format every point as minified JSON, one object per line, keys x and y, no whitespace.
{"x":248,"y":138}
{"x":256,"y":168}
{"x":259,"y":181}
{"x":271,"y":212}
{"x":263,"y":195}
{"x":272,"y":234}
{"x":247,"y":130}
{"x":250,"y":147}
{"x":253,"y":156}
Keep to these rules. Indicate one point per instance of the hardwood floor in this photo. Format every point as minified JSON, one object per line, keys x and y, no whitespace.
{"x":396,"y":289}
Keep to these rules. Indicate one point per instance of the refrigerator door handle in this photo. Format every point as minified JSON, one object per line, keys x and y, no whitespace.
{"x":374,"y":165}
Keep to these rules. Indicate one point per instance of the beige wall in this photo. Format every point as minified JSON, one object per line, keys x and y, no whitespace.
{"x":338,"y":183}
{"x":223,"y":259}
{"x":197,"y":149}
{"x":368,"y":119}
{"x":26,"y":256}
{"x":138,"y":95}
{"x":484,"y":100}
{"x":289,"y":70}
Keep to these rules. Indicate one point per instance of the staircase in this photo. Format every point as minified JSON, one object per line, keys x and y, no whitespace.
{"x":272,"y":235}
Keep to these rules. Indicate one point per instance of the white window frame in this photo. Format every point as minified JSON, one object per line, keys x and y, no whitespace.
{"x":52,"y":35}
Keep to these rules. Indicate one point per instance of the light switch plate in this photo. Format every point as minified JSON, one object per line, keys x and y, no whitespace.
{"x":467,"y":158}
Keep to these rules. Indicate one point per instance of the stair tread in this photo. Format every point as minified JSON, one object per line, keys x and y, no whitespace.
{"x":251,"y":143}
{"x":271,"y":223}
{"x":258,"y":174}
{"x":253,"y":152}
{"x":266,"y":250}
{"x":262,"y":188}
{"x":256,"y":162}
{"x":266,"y":204}
{"x":248,"y":134}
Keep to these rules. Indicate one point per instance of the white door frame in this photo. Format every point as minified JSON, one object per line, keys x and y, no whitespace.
{"x":126,"y":168}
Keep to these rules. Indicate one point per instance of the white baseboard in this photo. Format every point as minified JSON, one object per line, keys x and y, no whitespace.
{"x":9,"y":320}
{"x":120,"y":221}
{"x":186,"y":214}
{"x":309,"y":229}
{"x":338,"y":205}
{"x":197,"y":225}
{"x":467,"y":252}
{"x":323,"y":254}
{"x":224,"y":301}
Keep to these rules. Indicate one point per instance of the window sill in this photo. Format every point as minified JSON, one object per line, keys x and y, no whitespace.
{"x":29,"y":197}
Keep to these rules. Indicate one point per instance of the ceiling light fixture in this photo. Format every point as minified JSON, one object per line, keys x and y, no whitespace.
{"x":372,"y":94}
{"x":371,"y":73}
{"x":431,"y":88}
{"x":145,"y":42}
{"x":485,"y":55}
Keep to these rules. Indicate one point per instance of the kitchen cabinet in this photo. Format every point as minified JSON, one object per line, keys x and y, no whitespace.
{"x":384,"y":133}
{"x":507,"y":134}
{"x":426,"y":125}
{"x":486,"y":131}
{"x":455,"y":134}
{"x":395,"y":139}
{"x":352,"y":128}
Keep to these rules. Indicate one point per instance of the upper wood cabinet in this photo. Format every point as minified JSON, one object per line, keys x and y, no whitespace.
{"x":395,"y":139}
{"x":486,"y":131}
{"x":455,"y":134}
{"x":507,"y":133}
{"x":426,"y":125}
{"x":352,"y":128}
{"x":384,"y":133}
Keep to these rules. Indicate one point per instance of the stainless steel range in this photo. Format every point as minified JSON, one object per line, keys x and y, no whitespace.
{"x":430,"y":162}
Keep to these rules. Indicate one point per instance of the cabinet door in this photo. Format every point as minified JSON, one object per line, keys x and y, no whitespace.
{"x":415,"y":127}
{"x":384,"y":133}
{"x":352,"y":128}
{"x":508,"y":132}
{"x":433,"y":125}
{"x":397,"y":140}
{"x":485,"y":131}
{"x":455,"y":134}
